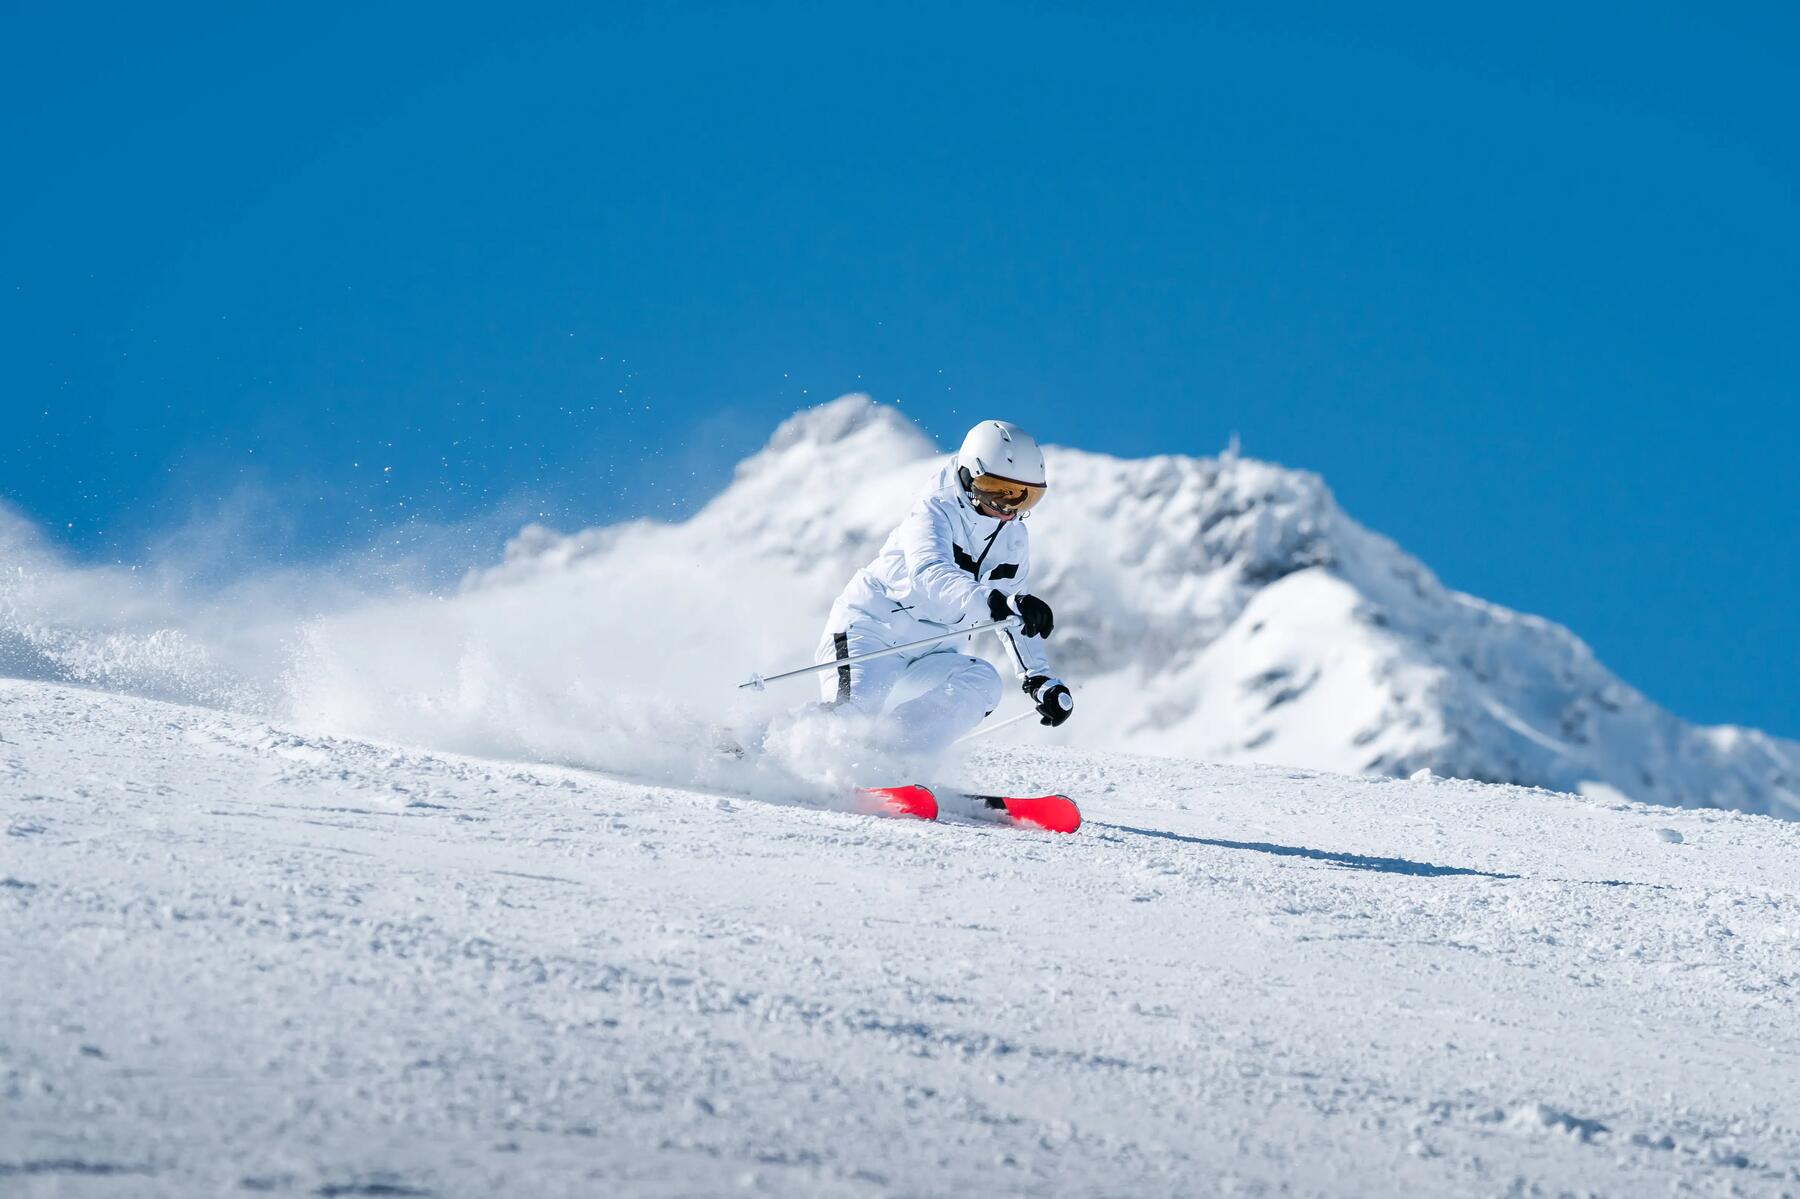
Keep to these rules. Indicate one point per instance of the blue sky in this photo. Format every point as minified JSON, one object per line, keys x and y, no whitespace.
{"x":1520,"y":283}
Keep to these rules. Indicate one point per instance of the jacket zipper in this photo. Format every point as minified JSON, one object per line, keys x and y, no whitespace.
{"x":984,"y":550}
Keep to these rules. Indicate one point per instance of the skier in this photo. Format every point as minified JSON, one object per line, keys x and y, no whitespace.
{"x":959,"y":558}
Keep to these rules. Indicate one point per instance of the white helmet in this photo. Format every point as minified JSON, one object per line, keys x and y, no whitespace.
{"x":1001,"y":466}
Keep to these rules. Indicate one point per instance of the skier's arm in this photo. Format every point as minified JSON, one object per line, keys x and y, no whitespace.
{"x":1025,"y":653}
{"x":942,"y":591}
{"x":1049,"y":693}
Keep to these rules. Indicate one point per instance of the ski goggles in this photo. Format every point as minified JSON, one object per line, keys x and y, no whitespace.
{"x":1005,"y":495}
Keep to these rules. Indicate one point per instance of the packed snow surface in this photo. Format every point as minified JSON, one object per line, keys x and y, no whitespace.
{"x":240,"y":958}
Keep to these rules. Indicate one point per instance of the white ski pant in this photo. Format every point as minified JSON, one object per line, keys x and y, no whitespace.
{"x":932,"y":697}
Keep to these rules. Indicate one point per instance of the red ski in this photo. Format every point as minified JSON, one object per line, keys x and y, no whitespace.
{"x":1057,"y":813}
{"x":913,"y":801}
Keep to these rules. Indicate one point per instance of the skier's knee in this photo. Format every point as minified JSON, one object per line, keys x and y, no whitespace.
{"x":983,"y":682}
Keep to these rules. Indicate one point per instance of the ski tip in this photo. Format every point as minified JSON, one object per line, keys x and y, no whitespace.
{"x":1057,"y":813}
{"x":913,"y":801}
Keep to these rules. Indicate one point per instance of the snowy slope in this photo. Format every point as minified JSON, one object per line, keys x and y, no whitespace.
{"x":1220,"y":609}
{"x":236,"y":958}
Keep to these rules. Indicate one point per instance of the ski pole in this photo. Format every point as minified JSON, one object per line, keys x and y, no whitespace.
{"x":757,"y":681}
{"x":985,"y":729}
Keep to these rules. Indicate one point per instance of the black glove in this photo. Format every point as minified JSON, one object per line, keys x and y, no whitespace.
{"x":1036,"y":615}
{"x":1054,"y":703}
{"x":1035,"y":618}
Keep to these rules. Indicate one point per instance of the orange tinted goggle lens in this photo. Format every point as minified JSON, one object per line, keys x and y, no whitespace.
{"x":1005,"y":495}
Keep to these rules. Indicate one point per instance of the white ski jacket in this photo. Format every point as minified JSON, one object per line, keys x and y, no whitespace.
{"x":935,"y":572}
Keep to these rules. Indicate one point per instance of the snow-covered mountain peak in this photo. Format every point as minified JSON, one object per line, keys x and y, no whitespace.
{"x":850,"y":430}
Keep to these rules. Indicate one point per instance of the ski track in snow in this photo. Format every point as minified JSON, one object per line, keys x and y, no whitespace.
{"x":239,"y":959}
